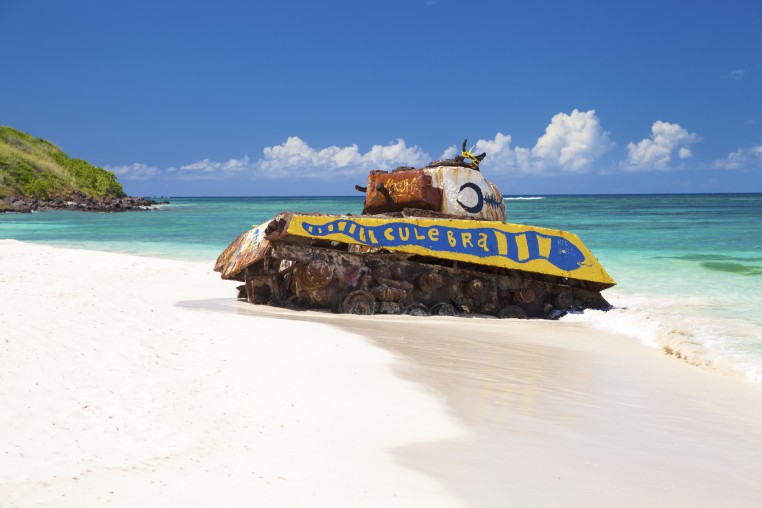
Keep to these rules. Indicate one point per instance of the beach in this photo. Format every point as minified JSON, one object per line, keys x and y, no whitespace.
{"x":138,"y":381}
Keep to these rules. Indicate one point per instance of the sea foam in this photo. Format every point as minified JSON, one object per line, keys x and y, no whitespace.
{"x":684,"y":330}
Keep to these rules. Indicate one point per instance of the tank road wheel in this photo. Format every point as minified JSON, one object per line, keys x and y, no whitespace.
{"x":551,"y":312}
{"x":512,"y":312}
{"x":417,"y":309}
{"x":473,"y":287}
{"x":359,"y":302}
{"x":316,"y":274}
{"x":526,"y":295}
{"x":443,"y":309}
{"x":564,"y":300}
{"x":430,"y":282}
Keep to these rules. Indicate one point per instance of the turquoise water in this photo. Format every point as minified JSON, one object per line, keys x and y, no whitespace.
{"x":688,"y":267}
{"x":188,"y":228}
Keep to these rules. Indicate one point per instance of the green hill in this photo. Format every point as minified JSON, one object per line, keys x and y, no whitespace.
{"x":34,"y":168}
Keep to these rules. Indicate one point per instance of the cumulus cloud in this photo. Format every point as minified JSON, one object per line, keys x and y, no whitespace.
{"x":500,"y":153}
{"x":296,"y":157}
{"x":135,"y":171}
{"x":571,"y":143}
{"x":656,"y":152}
{"x":741,"y":158}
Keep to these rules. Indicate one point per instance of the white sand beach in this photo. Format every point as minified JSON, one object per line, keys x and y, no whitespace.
{"x":135,"y":381}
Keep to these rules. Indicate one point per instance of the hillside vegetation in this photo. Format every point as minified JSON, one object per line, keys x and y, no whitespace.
{"x":36,"y":168}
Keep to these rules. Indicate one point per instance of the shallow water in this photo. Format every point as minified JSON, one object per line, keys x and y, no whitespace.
{"x":688,"y":267}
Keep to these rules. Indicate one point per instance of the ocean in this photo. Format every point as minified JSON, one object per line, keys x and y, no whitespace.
{"x":688,"y":267}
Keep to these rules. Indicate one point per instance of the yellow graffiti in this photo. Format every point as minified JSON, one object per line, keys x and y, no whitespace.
{"x":521,"y":244}
{"x":482,"y":242}
{"x":544,"y":246}
{"x":403,"y":187}
{"x":502,"y":244}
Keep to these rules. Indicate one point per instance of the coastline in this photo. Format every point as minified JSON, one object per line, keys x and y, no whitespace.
{"x":138,"y":380}
{"x":77,"y":202}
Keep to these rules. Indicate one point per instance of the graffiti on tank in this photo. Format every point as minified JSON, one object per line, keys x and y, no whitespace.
{"x":481,"y":199}
{"x":403,"y":187}
{"x":482,"y":242}
{"x":493,"y":201}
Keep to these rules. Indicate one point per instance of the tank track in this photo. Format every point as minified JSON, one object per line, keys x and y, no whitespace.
{"x":335,"y":276}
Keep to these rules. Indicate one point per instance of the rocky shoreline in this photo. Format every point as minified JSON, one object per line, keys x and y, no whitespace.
{"x":79,"y":202}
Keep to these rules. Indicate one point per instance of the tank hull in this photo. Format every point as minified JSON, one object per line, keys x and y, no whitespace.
{"x":398,"y":263}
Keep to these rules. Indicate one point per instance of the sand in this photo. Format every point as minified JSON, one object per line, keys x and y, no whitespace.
{"x":134,"y":381}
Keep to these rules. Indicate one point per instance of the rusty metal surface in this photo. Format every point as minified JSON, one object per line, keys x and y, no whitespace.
{"x":458,"y":191}
{"x":312,"y":271}
{"x":249,"y":248}
{"x":393,"y":283}
{"x":391,"y":192}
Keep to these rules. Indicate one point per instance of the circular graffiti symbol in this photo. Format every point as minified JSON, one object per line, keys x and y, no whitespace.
{"x":479,"y":198}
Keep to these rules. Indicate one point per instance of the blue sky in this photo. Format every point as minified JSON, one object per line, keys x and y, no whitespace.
{"x":303,"y":98}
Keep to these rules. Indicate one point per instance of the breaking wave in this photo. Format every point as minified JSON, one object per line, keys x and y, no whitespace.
{"x":686,"y":331}
{"x":522,"y":198}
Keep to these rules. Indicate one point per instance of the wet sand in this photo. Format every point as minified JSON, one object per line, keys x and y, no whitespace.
{"x":134,"y":380}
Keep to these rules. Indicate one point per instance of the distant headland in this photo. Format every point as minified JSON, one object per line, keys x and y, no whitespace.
{"x":36,"y":175}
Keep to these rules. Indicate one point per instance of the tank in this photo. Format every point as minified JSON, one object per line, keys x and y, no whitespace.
{"x":430,"y":241}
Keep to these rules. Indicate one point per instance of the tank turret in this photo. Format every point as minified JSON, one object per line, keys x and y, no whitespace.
{"x":453,"y":187}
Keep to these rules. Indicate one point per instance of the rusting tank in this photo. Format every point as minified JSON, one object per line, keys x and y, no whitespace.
{"x":430,"y":240}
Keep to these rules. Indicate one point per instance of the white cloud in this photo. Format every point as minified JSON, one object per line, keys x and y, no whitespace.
{"x":741,"y":158}
{"x":393,"y":155}
{"x":208,"y":166}
{"x":737,"y":74}
{"x":207,"y":169}
{"x":450,"y":152}
{"x":296,"y":157}
{"x":292,"y":158}
{"x":571,"y":143}
{"x":655,"y":153}
{"x":135,"y":171}
{"x":500,"y":153}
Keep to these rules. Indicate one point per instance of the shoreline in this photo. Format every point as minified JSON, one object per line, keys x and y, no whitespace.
{"x":79,"y":203}
{"x":389,"y":410}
